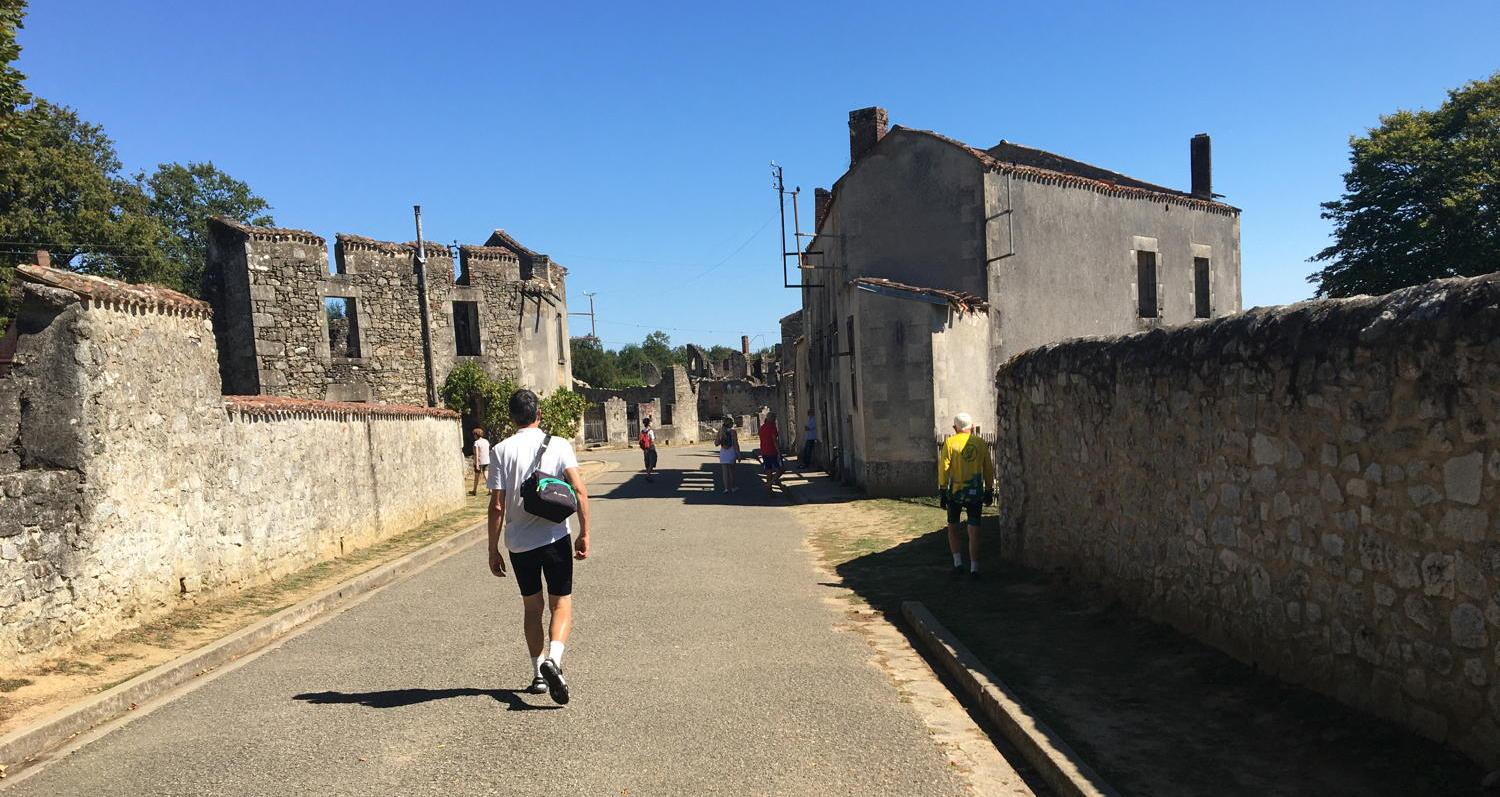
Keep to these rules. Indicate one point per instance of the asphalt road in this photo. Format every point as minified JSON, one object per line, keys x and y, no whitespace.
{"x":703,"y":660}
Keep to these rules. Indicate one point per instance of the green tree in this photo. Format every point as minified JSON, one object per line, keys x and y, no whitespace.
{"x":182,"y":197}
{"x":13,"y":94}
{"x":657,"y":349}
{"x":592,"y":362}
{"x":469,"y":390}
{"x":562,"y":412}
{"x":61,"y":190}
{"x":1421,"y":198}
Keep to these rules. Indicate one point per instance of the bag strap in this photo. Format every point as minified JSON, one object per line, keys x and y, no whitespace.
{"x":539,"y":452}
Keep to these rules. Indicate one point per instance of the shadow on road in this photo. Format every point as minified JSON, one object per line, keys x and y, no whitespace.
{"x":1153,"y":710}
{"x":398,"y":698}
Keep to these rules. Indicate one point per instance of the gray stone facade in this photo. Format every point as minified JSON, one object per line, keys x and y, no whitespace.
{"x":672,"y":403}
{"x":129,"y":483}
{"x":1313,"y":488}
{"x":505,"y":308}
{"x":1051,"y":247}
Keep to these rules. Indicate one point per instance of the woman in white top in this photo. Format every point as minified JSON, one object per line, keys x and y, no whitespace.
{"x":729,"y":453}
{"x":481,"y":459}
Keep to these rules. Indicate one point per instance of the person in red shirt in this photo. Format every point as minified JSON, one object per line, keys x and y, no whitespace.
{"x":770,"y":452}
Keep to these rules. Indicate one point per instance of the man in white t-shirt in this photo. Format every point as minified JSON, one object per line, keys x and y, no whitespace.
{"x":539,"y":548}
{"x":481,"y":459}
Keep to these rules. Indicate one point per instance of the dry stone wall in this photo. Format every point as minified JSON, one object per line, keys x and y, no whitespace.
{"x":129,"y":483}
{"x":1313,"y":488}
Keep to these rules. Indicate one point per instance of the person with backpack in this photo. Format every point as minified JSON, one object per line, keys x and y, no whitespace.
{"x":535,"y":486}
{"x":966,"y":483}
{"x":648,"y":448}
{"x":729,"y":452}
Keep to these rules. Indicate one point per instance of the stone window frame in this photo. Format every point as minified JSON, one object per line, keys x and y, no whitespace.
{"x":562,"y":341}
{"x":337,"y":286}
{"x":453,"y":302}
{"x":1138,"y":244}
{"x":1205,"y":252}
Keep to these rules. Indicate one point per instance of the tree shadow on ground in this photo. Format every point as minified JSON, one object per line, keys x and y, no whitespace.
{"x":399,"y":698}
{"x":1154,"y":711}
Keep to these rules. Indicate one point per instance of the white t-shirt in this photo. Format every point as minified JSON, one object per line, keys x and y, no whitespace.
{"x":481,"y":453}
{"x":510,"y":466}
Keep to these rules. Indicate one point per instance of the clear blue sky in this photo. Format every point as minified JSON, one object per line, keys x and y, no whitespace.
{"x":631,"y":141}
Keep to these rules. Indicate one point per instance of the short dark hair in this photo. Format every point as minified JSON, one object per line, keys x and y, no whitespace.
{"x":647,"y":422}
{"x":523,"y":407}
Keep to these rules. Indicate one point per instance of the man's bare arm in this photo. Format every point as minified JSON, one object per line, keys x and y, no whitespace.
{"x":575,"y":478}
{"x":496,"y":523}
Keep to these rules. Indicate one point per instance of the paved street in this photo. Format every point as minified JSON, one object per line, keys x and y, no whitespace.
{"x":704,"y":660}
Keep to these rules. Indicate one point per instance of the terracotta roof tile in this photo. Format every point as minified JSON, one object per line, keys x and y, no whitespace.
{"x":106,"y":292}
{"x":291,"y":407}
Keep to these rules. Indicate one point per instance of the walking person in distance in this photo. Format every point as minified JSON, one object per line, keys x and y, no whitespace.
{"x":728,"y":442}
{"x":966,"y":482}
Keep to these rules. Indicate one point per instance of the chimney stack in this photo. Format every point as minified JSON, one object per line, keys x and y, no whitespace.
{"x":1203,"y":170}
{"x":822,"y":198}
{"x":866,"y":127}
{"x":745,"y":345}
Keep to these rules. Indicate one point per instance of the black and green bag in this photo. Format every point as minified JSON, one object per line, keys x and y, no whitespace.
{"x":546,"y":495}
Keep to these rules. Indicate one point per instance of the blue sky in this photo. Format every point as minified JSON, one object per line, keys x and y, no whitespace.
{"x":631,"y":142}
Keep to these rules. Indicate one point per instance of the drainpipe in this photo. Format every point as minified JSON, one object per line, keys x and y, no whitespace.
{"x":422,"y":308}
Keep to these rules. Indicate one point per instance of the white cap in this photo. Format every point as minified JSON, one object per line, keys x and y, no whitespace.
{"x":962,"y":421}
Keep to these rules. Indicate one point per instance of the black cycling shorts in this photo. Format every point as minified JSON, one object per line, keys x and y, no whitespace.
{"x":974,"y":509}
{"x":554,"y":560}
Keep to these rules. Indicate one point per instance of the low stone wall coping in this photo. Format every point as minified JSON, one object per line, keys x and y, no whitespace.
{"x":282,"y":407}
{"x":105,"y":292}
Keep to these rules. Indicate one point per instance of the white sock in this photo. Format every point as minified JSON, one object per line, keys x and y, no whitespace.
{"x":555,"y":652}
{"x":958,"y":560}
{"x":537,"y":664}
{"x":974,"y":566}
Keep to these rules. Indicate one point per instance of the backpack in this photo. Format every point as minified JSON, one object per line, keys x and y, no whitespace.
{"x":547,"y":496}
{"x":645,"y":440}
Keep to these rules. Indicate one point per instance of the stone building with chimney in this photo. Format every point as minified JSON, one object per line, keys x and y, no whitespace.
{"x":933,"y":262}
{"x":288,"y":325}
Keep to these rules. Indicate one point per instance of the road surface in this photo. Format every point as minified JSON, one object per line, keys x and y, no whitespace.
{"x":704,"y":660}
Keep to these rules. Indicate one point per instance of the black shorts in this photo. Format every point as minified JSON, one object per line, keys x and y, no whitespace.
{"x":650,"y":454}
{"x":973,"y":511}
{"x":554,"y":560}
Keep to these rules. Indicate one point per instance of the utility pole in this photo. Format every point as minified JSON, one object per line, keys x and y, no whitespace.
{"x":423,"y":311}
{"x":593,"y":325}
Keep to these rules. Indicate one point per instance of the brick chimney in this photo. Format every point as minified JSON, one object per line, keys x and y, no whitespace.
{"x":1203,"y":170}
{"x":821,"y":200}
{"x":745,"y":345}
{"x":866,"y":127}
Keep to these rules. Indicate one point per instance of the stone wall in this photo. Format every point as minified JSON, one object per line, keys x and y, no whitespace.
{"x":1314,"y":489}
{"x":129,"y":483}
{"x":269,"y":286}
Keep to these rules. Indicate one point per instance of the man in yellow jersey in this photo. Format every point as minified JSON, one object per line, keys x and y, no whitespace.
{"x":966,"y":479}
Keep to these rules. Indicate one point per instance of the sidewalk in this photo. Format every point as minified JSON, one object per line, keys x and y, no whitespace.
{"x":1152,"y":710}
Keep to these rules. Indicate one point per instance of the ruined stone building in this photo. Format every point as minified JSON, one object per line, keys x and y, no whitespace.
{"x":934,"y":262}
{"x":287,"y":325}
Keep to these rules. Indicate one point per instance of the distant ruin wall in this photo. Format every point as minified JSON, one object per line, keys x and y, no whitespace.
{"x":129,"y":483}
{"x":1314,"y":488}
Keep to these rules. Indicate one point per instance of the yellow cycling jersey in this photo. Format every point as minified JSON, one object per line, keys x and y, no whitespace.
{"x":965,"y":468}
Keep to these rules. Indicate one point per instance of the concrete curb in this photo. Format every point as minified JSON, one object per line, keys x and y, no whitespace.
{"x":21,"y":747}
{"x":1053,"y":759}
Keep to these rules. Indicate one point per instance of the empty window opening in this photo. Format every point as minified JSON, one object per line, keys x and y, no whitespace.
{"x":343,"y":326}
{"x":1145,"y":281}
{"x":562,"y":342}
{"x":466,"y":328}
{"x":1202,"y":307}
{"x":666,"y":415}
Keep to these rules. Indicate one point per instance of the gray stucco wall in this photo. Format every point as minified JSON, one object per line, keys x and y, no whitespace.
{"x":1074,"y":269}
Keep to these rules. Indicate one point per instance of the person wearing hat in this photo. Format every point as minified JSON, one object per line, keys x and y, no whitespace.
{"x":966,"y":483}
